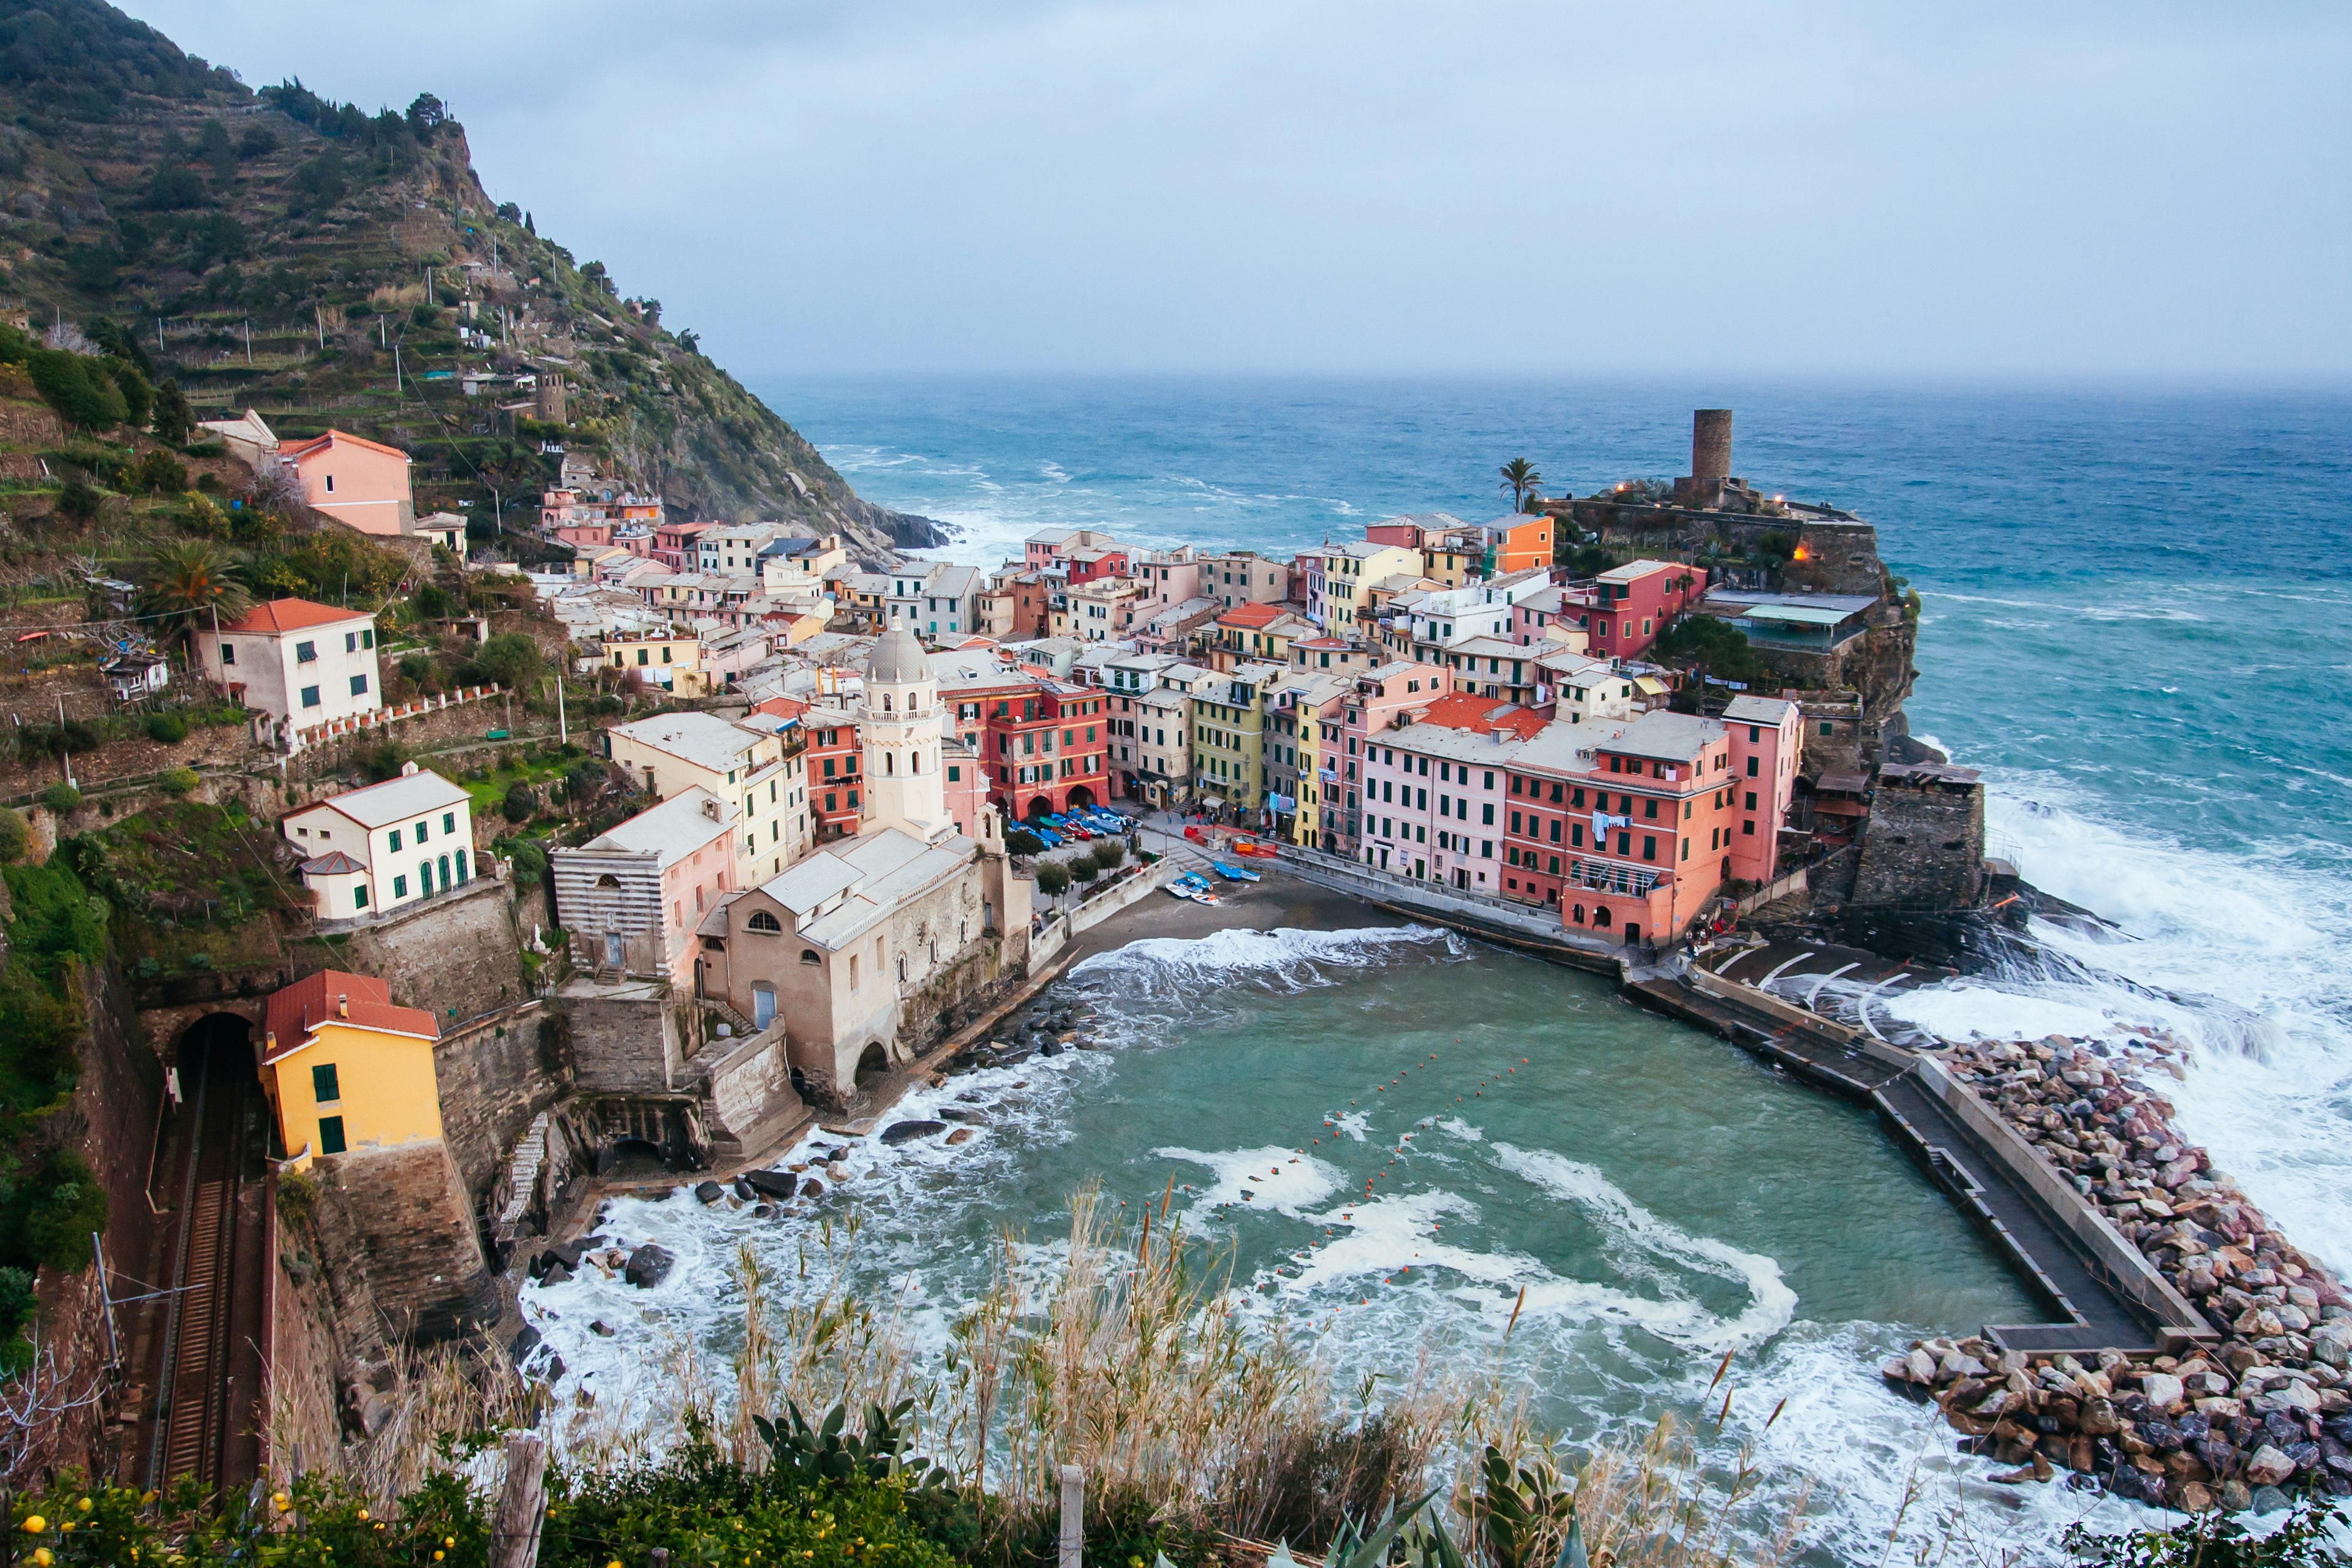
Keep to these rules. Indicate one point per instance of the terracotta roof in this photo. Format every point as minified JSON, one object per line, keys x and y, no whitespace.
{"x":298,"y":450}
{"x":333,"y":863}
{"x":292,"y":616}
{"x":1250,"y":616}
{"x":782,"y":706}
{"x":332,"y":995}
{"x":1463,"y":711}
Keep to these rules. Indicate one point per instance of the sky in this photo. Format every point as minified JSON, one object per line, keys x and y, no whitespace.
{"x":1969,"y":189}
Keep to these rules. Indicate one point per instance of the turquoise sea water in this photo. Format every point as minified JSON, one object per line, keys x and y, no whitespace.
{"x":2135,"y":622}
{"x":2138,"y":623}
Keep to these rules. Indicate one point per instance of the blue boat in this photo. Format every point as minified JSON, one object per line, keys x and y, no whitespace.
{"x":1234,"y":873}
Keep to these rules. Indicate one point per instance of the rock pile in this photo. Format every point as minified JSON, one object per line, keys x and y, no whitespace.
{"x":2265,"y":1410}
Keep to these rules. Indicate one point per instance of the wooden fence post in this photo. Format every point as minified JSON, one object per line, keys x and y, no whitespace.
{"x":522,"y":1506}
{"x":1074,"y":1516}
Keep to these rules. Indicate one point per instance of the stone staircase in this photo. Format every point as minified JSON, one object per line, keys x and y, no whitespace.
{"x":522,"y":1175}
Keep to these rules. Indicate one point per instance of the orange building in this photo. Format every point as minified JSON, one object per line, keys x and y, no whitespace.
{"x":1521,"y":543}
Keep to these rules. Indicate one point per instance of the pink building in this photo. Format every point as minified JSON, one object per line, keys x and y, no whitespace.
{"x":630,"y":897}
{"x":354,"y":480}
{"x":1436,"y":792}
{"x":1623,"y":610}
{"x":965,"y":786}
{"x":1768,"y":743}
{"x":674,"y":544}
{"x":1383,"y":697}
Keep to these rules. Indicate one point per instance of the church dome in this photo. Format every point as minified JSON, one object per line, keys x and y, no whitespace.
{"x":898,"y":659}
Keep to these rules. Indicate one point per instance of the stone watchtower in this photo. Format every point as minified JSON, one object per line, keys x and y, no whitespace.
{"x":549,"y":396}
{"x":1710,"y":459}
{"x":900,"y":726}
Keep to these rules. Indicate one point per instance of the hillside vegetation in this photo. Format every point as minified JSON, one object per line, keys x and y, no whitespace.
{"x":330,"y":266}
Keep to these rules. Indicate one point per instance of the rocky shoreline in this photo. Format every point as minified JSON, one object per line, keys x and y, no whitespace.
{"x":2263,"y":1413}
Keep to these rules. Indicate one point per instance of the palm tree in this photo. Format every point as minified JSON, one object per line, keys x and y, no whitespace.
{"x":1520,"y":478}
{"x":190,"y":581}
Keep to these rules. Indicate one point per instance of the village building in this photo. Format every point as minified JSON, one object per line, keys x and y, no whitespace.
{"x":632,"y":897}
{"x":302,"y":663}
{"x":1768,"y":740}
{"x":354,"y":480}
{"x":371,"y":851}
{"x":757,"y":764}
{"x":345,"y":1069}
{"x":1625,"y":608}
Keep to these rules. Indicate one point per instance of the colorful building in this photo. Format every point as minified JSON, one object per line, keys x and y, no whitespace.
{"x":352,"y":479}
{"x":1767,"y":741}
{"x":1624,"y":609}
{"x":303,"y":664}
{"x":346,"y":1071}
{"x":370,"y":851}
{"x":631,"y":896}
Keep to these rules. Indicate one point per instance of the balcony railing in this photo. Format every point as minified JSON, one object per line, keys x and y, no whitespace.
{"x":1608,"y":877}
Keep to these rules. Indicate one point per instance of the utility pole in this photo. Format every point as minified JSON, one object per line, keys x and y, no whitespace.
{"x":159,"y":334}
{"x":563,"y":725}
{"x":65,"y":758}
{"x":395,"y":370}
{"x":248,"y":339}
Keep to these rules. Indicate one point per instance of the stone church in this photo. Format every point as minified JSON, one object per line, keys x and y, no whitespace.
{"x":873,"y":949}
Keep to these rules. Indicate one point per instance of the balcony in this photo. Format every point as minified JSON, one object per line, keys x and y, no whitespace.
{"x":1609,"y":877}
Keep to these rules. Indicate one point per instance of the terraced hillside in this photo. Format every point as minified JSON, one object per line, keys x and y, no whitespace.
{"x":326,"y":265}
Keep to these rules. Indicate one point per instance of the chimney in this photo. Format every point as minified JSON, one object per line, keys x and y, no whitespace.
{"x":710,"y":808}
{"x":407,"y":769}
{"x":342,"y":1006}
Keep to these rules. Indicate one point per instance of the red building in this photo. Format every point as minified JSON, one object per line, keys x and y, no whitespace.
{"x":1045,"y":746}
{"x":674,"y":544}
{"x":835,"y":785}
{"x":1623,"y":610}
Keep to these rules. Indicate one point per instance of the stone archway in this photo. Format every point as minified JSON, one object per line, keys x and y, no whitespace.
{"x":1039,"y":807}
{"x":873,"y":1063}
{"x":1081,"y":797}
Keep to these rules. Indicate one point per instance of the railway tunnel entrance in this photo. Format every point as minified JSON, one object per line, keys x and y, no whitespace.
{"x":198,"y":1338}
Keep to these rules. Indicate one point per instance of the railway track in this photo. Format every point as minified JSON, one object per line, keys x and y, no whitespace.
{"x":206,"y":1399}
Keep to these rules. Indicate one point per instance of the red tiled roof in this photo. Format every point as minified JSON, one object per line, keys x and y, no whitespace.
{"x":782,"y":706}
{"x":331,"y":995}
{"x":1249,"y":617}
{"x":1465,"y":711}
{"x":300,"y":449}
{"x":291,"y":615}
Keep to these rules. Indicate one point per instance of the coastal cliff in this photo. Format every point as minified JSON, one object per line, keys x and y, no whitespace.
{"x":276,"y":249}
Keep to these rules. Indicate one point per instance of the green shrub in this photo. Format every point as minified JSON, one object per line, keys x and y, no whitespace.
{"x":512,"y":659}
{"x":178,"y":781}
{"x":530,"y":865}
{"x":521,"y":804}
{"x":51,"y":1220}
{"x":62,"y":798}
{"x":15,"y":838}
{"x":1053,"y":880}
{"x":1110,"y":854}
{"x":168,"y":728}
{"x":1083,"y":867}
{"x":1020,"y":841}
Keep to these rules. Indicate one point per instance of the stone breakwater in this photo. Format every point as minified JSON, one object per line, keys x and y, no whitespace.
{"x":2262,"y":1412}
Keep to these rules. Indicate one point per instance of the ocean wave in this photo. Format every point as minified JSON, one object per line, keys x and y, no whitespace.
{"x":1286,"y":957}
{"x":1771,"y":1304}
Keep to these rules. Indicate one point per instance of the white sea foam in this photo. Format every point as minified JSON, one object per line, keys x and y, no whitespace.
{"x":1461,"y":1129}
{"x":1275,"y":1181}
{"x":1285,"y":957}
{"x":2240,"y":954}
{"x":1771,"y":1304}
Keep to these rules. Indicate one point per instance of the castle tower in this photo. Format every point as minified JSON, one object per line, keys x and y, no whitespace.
{"x":900,"y":729}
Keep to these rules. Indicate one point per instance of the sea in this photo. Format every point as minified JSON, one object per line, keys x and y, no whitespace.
{"x":2138,"y":624}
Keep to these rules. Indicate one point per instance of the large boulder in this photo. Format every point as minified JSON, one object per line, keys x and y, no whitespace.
{"x":708,"y":1191}
{"x":774,"y":1183}
{"x":907,"y":1132}
{"x":2268,"y":1468}
{"x":648,"y":1266}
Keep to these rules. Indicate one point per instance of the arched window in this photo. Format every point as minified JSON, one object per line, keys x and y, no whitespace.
{"x":808,"y":956}
{"x":886,"y":703}
{"x":902,"y":968}
{"x":761,"y":920}
{"x":608,"y":880}
{"x":890,"y":764}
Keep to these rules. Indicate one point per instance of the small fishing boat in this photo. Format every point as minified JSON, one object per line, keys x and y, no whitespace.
{"x":1234,"y":873}
{"x":1253,"y":848}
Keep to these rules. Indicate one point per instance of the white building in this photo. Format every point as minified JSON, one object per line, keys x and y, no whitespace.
{"x":302,"y":664}
{"x":378,"y":849}
{"x":758,"y":765}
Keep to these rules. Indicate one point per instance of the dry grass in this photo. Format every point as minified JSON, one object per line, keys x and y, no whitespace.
{"x":1124,"y":1352}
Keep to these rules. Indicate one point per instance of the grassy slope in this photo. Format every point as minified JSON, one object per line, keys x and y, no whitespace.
{"x":315,"y":232}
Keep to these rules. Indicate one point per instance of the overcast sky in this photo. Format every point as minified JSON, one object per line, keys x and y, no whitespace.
{"x":1974,"y":188}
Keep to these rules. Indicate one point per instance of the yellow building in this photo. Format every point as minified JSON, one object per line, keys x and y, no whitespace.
{"x":1229,"y":736}
{"x":756,"y":764}
{"x":347,"y":1070}
{"x":668,"y":658}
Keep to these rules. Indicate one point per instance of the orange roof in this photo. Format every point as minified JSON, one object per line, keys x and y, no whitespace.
{"x":782,"y":706}
{"x":301,"y":450}
{"x":332,"y":995}
{"x":1466,"y":711}
{"x":292,"y":616}
{"x":1250,"y":617}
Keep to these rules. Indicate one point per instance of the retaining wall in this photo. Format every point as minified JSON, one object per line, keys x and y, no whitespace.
{"x":2128,"y":1268}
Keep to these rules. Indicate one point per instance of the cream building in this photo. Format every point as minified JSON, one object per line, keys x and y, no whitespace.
{"x":373,"y":850}
{"x":758,"y":765}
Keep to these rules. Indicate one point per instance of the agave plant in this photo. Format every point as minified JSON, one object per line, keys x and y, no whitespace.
{"x":825,"y":1453}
